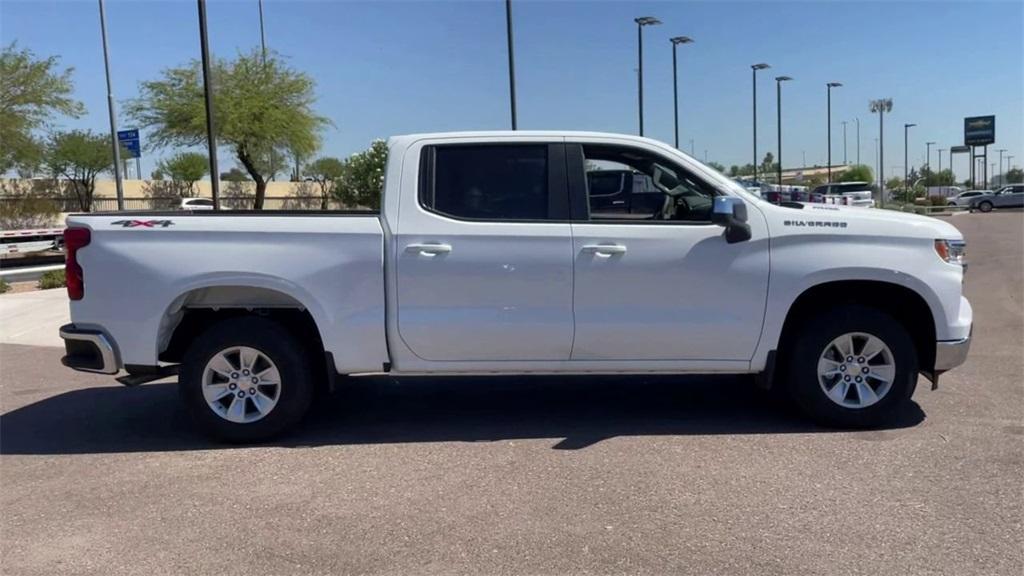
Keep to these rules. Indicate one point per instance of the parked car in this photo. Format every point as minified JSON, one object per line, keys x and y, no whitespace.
{"x":492,"y":254}
{"x":1011,"y":196}
{"x":964,"y":198}
{"x":196,"y":204}
{"x":855,"y":193}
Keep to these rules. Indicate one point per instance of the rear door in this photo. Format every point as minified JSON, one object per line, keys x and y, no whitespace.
{"x":484,"y":253}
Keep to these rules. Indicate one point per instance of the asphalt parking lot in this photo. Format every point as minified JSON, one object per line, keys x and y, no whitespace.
{"x":542,"y":476}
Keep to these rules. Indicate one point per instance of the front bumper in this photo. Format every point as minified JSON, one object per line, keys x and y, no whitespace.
{"x":88,"y":350}
{"x":952,"y":353}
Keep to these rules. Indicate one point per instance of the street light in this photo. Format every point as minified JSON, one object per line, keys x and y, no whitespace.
{"x":778,"y":99}
{"x":640,"y":23}
{"x":754,"y":68}
{"x":928,"y":154}
{"x":675,"y":78}
{"x":1002,"y":178}
{"x":882,"y":107}
{"x":211,"y":138}
{"x":858,"y":139}
{"x":829,"y":87}
{"x":114,"y":143}
{"x":938,"y":152}
{"x":906,"y":165}
{"x":511,"y":63}
{"x":844,"y":141}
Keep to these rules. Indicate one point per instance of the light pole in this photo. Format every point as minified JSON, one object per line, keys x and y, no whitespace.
{"x":844,"y":141}
{"x":858,"y":139}
{"x":928,"y":154}
{"x":211,"y":138}
{"x":829,"y":87}
{"x":882,"y":107}
{"x":876,"y":155}
{"x":778,"y":99}
{"x":675,"y":79}
{"x":754,"y":68}
{"x":114,"y":143}
{"x":906,"y":165}
{"x":938,"y":152}
{"x":1002,"y":174}
{"x":640,"y":23}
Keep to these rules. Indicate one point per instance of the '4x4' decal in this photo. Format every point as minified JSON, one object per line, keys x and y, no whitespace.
{"x":142,"y":223}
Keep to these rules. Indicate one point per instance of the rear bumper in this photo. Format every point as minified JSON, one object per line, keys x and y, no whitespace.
{"x":88,"y":350}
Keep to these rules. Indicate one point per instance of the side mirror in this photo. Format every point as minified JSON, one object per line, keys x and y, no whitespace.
{"x":731,"y":213}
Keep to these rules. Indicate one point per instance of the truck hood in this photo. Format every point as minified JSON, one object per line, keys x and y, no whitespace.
{"x":877,"y":221}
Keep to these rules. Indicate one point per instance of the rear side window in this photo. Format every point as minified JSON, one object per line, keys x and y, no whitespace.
{"x":487,"y":182}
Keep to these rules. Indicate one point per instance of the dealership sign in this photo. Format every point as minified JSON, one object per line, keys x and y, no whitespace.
{"x":979,"y":130}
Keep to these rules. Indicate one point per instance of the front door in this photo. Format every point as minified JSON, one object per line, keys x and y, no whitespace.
{"x":484,"y":257}
{"x":667,"y":287}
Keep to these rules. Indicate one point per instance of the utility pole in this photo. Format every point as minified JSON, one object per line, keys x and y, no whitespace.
{"x":844,"y":142}
{"x":906,"y":164}
{"x":829,"y":87}
{"x":858,"y":139}
{"x":778,"y":111}
{"x":115,"y":144}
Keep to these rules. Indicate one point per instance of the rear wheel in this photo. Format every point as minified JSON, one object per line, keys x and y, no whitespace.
{"x":246,"y":379}
{"x":985,"y":206}
{"x":853,"y":366}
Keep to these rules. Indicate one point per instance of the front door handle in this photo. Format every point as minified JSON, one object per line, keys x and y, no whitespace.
{"x":429,"y":249}
{"x":604,"y":250}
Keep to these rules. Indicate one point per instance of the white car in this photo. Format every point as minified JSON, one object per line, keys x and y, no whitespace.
{"x":964,"y":198}
{"x":488,"y":258}
{"x":196,"y":204}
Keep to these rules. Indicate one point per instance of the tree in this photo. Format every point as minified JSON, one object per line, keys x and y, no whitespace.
{"x":325,"y":171}
{"x":184,"y":170}
{"x":31,"y":90}
{"x":1014,"y":176}
{"x":857,"y":173}
{"x":362,"y":181}
{"x":263,"y":111}
{"x":234,"y":175}
{"x":717,"y":166}
{"x":79,"y":156}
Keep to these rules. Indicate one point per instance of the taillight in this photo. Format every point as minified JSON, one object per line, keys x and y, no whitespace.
{"x":74,"y":239}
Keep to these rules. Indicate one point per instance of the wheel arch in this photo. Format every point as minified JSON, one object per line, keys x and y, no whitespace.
{"x":901,"y":302}
{"x":207,"y":300}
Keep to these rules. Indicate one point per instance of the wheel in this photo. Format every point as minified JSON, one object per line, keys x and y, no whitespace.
{"x":246,"y":379}
{"x":985,"y":206}
{"x":852,"y":367}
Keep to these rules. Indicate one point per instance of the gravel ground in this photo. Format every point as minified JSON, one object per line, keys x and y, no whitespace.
{"x":537,"y":476}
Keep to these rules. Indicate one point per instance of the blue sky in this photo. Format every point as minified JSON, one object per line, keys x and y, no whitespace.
{"x":385,"y":68}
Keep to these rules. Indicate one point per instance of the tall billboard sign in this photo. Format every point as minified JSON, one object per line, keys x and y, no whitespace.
{"x":979,"y":130}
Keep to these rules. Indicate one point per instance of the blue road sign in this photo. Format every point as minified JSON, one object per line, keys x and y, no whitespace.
{"x":129,"y":140}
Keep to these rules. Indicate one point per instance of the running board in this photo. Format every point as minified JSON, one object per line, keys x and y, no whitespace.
{"x":137,"y":376}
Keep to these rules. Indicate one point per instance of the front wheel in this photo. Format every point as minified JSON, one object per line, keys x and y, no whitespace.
{"x":853,"y":366}
{"x":246,"y":379}
{"x":985,"y":206}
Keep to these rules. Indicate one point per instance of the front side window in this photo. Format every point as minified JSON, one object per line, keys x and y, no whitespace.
{"x":487,"y":182}
{"x":654,"y":188}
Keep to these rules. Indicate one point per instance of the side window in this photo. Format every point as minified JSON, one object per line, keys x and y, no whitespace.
{"x":655,"y":187}
{"x":487,"y":182}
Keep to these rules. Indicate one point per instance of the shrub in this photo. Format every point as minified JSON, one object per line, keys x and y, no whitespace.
{"x":51,"y":279}
{"x":4,"y":285}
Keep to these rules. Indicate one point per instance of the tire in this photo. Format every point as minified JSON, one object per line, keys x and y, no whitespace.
{"x":985,"y":206}
{"x":264,"y":410}
{"x":815,"y":342}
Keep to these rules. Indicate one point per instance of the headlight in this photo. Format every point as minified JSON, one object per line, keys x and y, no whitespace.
{"x":952,"y":251}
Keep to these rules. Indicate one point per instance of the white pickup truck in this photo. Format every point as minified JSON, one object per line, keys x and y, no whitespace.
{"x":493,"y":255}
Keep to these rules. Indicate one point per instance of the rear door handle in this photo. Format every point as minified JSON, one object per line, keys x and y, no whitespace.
{"x":429,"y":249}
{"x":604,"y":250}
